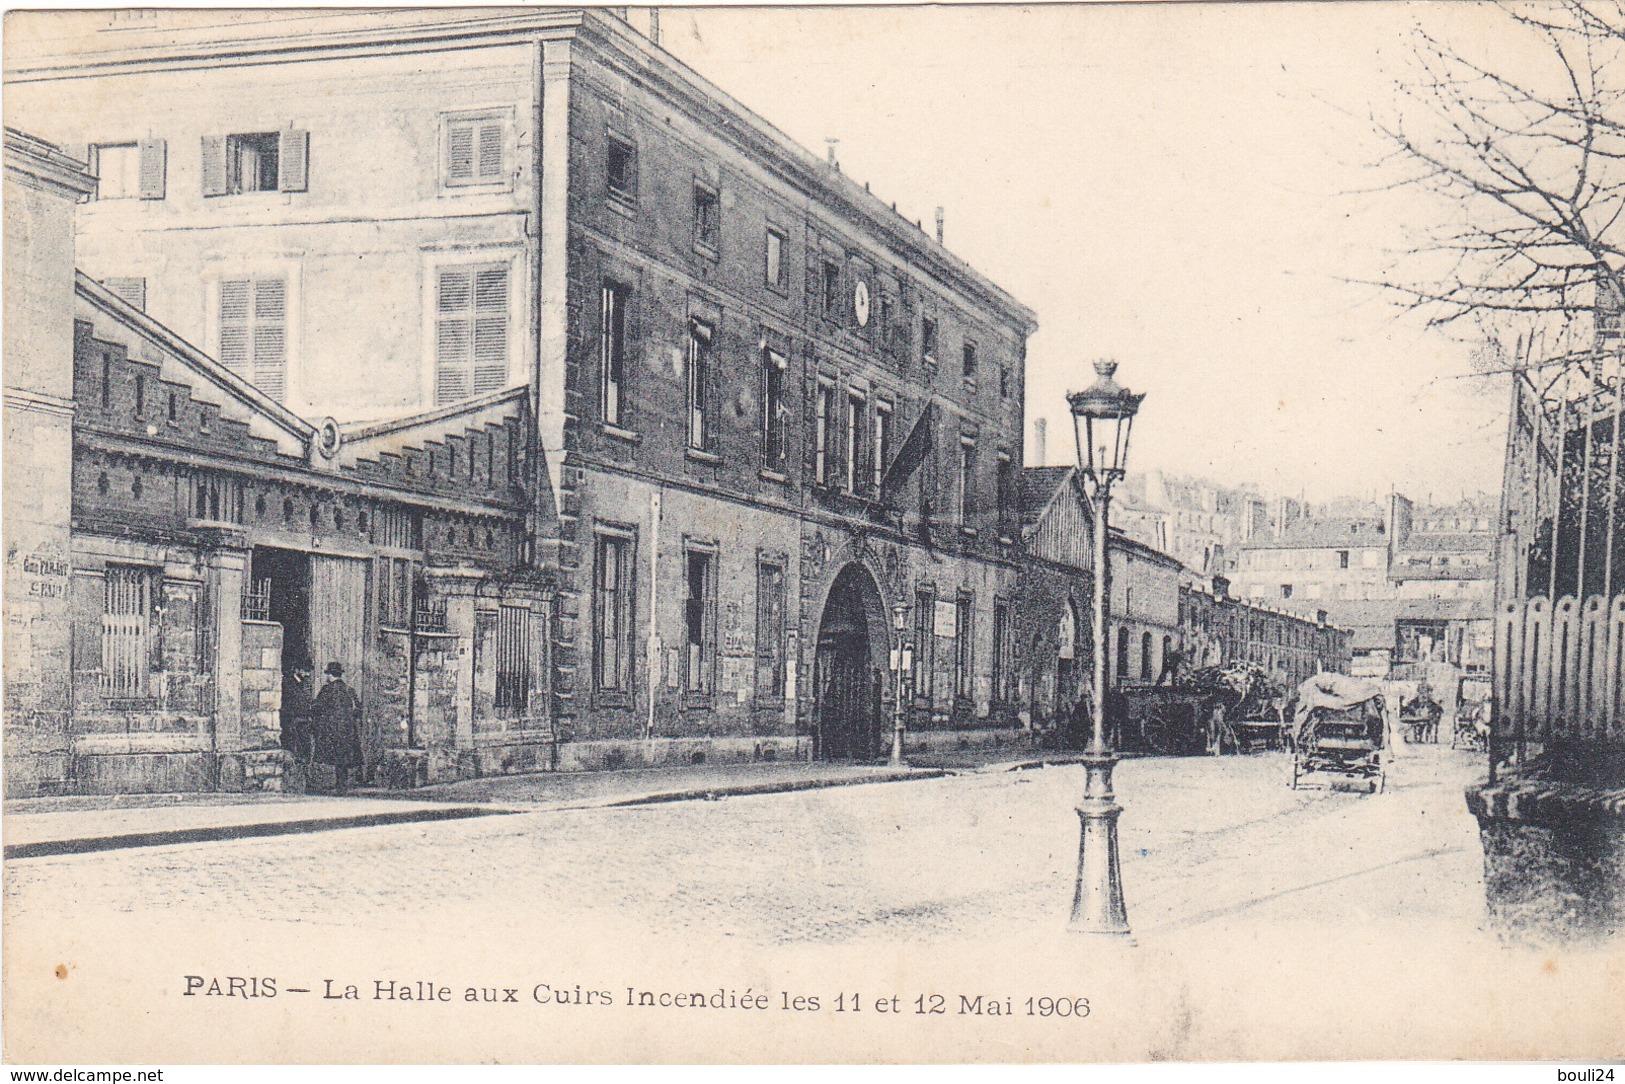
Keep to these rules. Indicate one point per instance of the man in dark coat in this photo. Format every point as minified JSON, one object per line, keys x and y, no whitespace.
{"x":338,"y":727}
{"x":297,"y":705}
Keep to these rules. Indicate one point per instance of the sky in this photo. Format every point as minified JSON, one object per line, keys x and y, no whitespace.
{"x":1189,"y":188}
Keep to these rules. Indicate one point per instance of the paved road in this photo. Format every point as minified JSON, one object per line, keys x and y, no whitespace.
{"x":1206,"y":843}
{"x":1270,"y":923}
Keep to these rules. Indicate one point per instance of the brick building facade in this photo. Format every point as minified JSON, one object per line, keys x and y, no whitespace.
{"x":763,"y":409}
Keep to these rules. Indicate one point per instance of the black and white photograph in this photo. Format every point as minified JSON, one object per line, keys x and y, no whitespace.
{"x":815,"y":534}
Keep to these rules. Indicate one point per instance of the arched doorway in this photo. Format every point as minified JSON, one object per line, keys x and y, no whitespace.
{"x":848,"y":678}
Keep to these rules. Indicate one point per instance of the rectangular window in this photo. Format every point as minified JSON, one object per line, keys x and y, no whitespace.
{"x":699,"y":381}
{"x":969,"y":354}
{"x":774,"y":411}
{"x":963,"y":657}
{"x":881,"y":446}
{"x":253,"y":332}
{"x":252,"y":162}
{"x":855,"y":412}
{"x":775,"y":259}
{"x":1342,"y":558}
{"x":700,"y":622}
{"x":769,"y":631}
{"x":127,"y":631}
{"x":928,"y":341}
{"x":612,"y":614}
{"x":256,"y":162}
{"x":832,"y":290}
{"x":118,"y":170}
{"x":1286,"y":590}
{"x":925,"y":644}
{"x":967,"y":482}
{"x":1004,"y":382}
{"x":471,"y":331}
{"x":1001,"y":650}
{"x":612,"y":350}
{"x":707,"y":218}
{"x":621,"y":168}
{"x":132,"y":291}
{"x":476,"y":149}
{"x":885,"y":320}
{"x":821,"y":457}
{"x":1005,"y":495}
{"x":513,"y":659}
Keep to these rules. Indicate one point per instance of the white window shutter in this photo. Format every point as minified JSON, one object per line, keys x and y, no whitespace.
{"x":214,"y":165}
{"x":293,"y":160}
{"x":490,"y":150}
{"x":453,"y":334}
{"x":154,"y":163}
{"x":234,"y":325}
{"x":132,"y":291}
{"x":460,"y":152}
{"x":270,"y":338}
{"x":490,"y":370}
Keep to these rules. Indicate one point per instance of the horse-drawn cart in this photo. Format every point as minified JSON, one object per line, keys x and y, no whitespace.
{"x":1339,"y":730}
{"x":1218,"y":709}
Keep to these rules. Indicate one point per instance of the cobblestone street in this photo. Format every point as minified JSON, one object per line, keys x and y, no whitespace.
{"x":1205,"y":842}
{"x":1234,"y":882}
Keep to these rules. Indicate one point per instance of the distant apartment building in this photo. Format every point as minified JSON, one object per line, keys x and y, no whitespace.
{"x":1414,"y":585}
{"x":1197,"y":522}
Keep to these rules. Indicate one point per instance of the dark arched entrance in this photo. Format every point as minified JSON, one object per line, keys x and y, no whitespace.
{"x":847,"y":678}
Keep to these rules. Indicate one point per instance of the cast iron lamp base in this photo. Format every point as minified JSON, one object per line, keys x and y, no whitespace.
{"x":1097,"y":905}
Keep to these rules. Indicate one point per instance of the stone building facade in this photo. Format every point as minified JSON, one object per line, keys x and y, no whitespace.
{"x":766,"y":411}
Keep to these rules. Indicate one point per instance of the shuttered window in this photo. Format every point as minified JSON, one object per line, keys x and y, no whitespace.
{"x":699,"y":384}
{"x":127,"y":635}
{"x":471,"y":331}
{"x":131,"y":291}
{"x":252,"y":162}
{"x":254,"y":332}
{"x":476,"y":149}
{"x":769,"y":631}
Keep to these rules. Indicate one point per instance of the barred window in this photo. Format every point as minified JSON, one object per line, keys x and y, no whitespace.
{"x":612,"y":614}
{"x":769,"y":631}
{"x":127,"y":631}
{"x":513,"y":658}
{"x":963,"y":658}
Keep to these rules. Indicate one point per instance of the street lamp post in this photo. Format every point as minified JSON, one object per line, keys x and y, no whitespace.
{"x":902,"y":663}
{"x":1102,"y":416}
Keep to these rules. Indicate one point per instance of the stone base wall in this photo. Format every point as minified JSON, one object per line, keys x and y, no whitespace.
{"x":262,"y":685}
{"x":1554,"y":859}
{"x":257,"y":771}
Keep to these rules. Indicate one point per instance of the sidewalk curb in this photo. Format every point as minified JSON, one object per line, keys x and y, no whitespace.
{"x":785,"y":786}
{"x":215,"y":832}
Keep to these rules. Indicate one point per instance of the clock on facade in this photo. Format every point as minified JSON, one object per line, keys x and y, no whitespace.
{"x":860,"y":303}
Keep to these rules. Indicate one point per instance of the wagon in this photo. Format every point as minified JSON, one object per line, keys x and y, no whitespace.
{"x":1338,"y":732}
{"x":1472,"y":725}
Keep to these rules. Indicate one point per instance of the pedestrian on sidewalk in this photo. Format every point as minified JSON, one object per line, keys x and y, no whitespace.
{"x":298,"y":703}
{"x":337,"y":717}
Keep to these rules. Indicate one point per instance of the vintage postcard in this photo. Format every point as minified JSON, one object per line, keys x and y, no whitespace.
{"x":814,"y":534}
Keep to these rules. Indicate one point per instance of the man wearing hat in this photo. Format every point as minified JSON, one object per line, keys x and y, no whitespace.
{"x":297,"y":702}
{"x":338,"y":727}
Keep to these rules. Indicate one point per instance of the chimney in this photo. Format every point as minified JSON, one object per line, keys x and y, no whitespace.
{"x":1040,"y":431}
{"x":654,"y":25}
{"x":939,"y":225}
{"x":833,"y":162}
